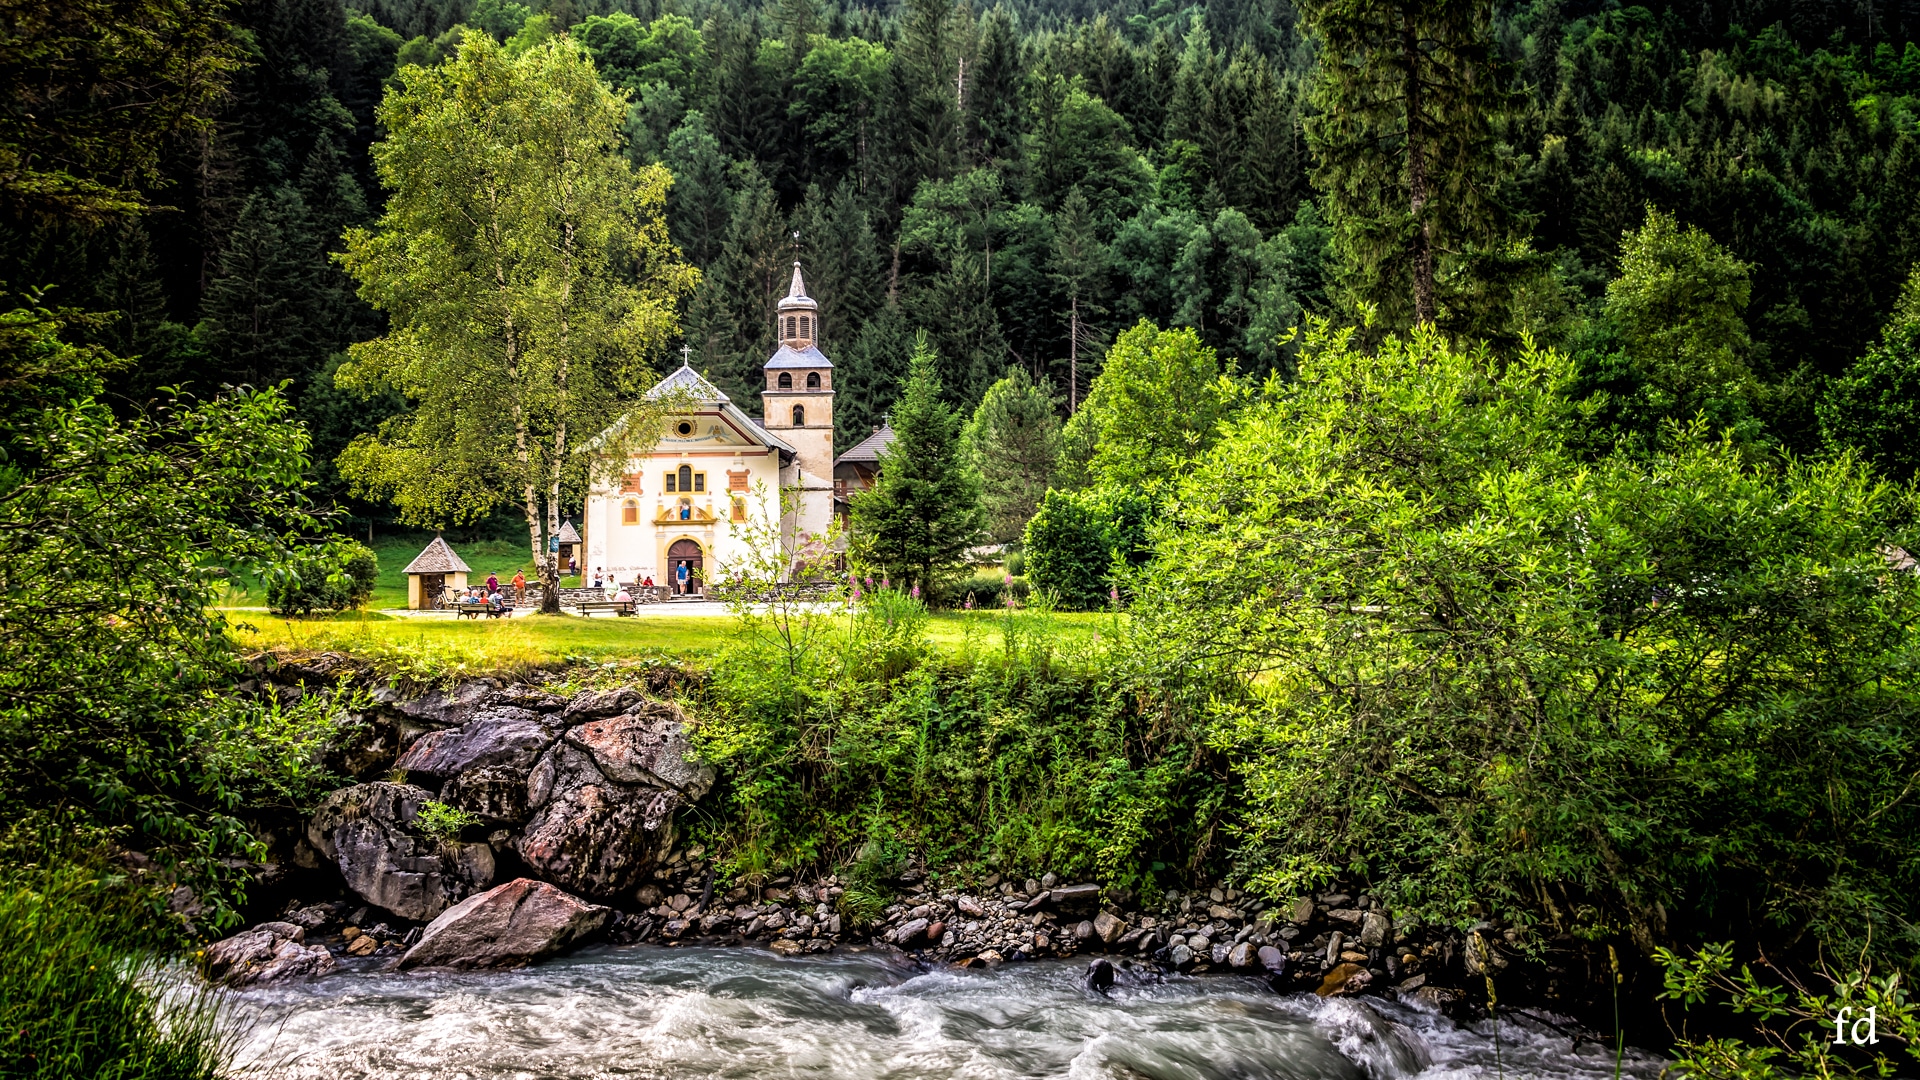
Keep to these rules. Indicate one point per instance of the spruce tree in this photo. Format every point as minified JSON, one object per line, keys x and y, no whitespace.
{"x":1406,"y":94}
{"x":698,"y":204}
{"x":923,"y":513}
{"x":259,"y":319}
{"x":869,"y":375}
{"x":1014,"y":438}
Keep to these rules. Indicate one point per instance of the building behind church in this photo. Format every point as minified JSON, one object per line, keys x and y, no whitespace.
{"x":708,"y":494}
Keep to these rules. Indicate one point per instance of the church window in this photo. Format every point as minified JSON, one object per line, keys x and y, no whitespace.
{"x":786,"y":380}
{"x":813,"y":380}
{"x":790,"y":327}
{"x":699,"y":481}
{"x":799,"y":416}
{"x":630,"y":513}
{"x":739,"y":508}
{"x":685,"y":428}
{"x":806,"y":326}
{"x":686,"y":478}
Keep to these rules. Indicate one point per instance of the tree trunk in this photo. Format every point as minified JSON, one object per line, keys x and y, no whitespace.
{"x":1073,"y":360}
{"x":1418,"y":181}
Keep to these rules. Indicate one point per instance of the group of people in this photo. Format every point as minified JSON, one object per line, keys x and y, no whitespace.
{"x":494,"y":595}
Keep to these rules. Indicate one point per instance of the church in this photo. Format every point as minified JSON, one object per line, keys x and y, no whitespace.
{"x":709,"y":492}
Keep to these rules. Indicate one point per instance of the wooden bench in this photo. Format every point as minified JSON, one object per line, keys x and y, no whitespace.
{"x":618,"y":607}
{"x":474,"y":611}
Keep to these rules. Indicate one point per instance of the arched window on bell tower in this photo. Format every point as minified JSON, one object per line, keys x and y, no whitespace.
{"x":786,"y":380}
{"x":806,"y":328}
{"x":813,"y":380}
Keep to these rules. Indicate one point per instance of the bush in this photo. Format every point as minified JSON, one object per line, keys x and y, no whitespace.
{"x":1077,"y":540}
{"x":985,"y":590}
{"x":84,"y":993}
{"x":331,"y":578}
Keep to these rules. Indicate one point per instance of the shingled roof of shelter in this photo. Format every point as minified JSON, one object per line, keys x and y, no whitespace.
{"x":870,"y":448}
{"x":437,"y":558}
{"x":568,"y":534}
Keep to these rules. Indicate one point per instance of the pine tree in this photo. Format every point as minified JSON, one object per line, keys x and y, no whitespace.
{"x":1079,"y":267}
{"x":1406,"y":94}
{"x":1014,"y":439}
{"x":259,"y":319}
{"x":744,"y":283}
{"x":871,"y":372}
{"x":923,"y":513}
{"x":698,"y":204}
{"x":845,"y":271}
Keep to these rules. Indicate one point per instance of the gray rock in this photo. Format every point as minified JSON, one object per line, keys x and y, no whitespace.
{"x":448,"y":708}
{"x":1346,"y":916}
{"x":1272,"y":959}
{"x":1333,"y":947}
{"x":1241,"y":956}
{"x":1200,"y":944}
{"x":969,"y":906}
{"x":1049,"y":879}
{"x":1181,"y":957}
{"x":1219,"y":953}
{"x":266,"y":954}
{"x":910,"y":931}
{"x":496,"y":794}
{"x":596,"y":704}
{"x":1300,"y":913}
{"x":1074,"y":895}
{"x":507,"y":926}
{"x":369,"y":832}
{"x":1083,"y":930}
{"x":589,"y":834}
{"x":1374,"y":929}
{"x":645,"y":745}
{"x":1109,"y":927}
{"x":500,"y":735}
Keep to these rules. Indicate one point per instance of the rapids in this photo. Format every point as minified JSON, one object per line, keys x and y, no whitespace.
{"x":650,"y":1012}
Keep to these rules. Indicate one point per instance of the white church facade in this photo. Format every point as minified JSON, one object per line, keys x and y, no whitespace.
{"x":707,"y":499}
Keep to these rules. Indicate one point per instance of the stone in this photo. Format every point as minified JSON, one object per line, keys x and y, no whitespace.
{"x":506,"y":926}
{"x":364,"y":945}
{"x":645,"y":745}
{"x":1033,"y":886}
{"x":679,"y":902}
{"x":935,"y":930}
{"x":647,"y":895}
{"x":1109,"y":927}
{"x":1481,"y":957}
{"x":1300,"y":912}
{"x":1099,"y":976}
{"x":266,"y":953}
{"x":496,"y":794}
{"x":1344,"y":979}
{"x":1241,"y":955}
{"x":369,"y":831}
{"x":1408,"y":986}
{"x":1347,"y":916}
{"x":1181,"y":957}
{"x":1221,"y":912}
{"x":1374,"y":930}
{"x":1200,"y":944}
{"x":500,"y":735}
{"x":447,"y":708}
{"x":969,"y":906}
{"x":787,"y":946}
{"x":1041,"y":942}
{"x":588,"y":834}
{"x":1272,"y":959}
{"x":1219,"y":953}
{"x":1075,"y":895}
{"x":990,"y":956}
{"x":1333,"y":947}
{"x":596,"y":704}
{"x":1049,"y":879}
{"x":910,"y":931}
{"x":1353,"y":956}
{"x":309,"y":918}
{"x":1217,"y":895}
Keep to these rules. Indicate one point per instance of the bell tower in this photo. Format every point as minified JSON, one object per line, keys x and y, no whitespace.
{"x":798,"y":399}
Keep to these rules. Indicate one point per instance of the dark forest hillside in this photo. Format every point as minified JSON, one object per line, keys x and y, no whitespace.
{"x":999,"y":175}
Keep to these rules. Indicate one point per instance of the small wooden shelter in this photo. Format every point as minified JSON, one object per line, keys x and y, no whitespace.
{"x":569,"y":547}
{"x":431,"y":573}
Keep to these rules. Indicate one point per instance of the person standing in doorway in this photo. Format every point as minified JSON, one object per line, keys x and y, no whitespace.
{"x":680,"y":575}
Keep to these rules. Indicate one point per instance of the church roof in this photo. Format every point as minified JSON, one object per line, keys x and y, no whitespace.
{"x":797,"y":298}
{"x":868,"y":451}
{"x":568,"y":534}
{"x":790,"y":357}
{"x":687,"y":381}
{"x":436,"y":558}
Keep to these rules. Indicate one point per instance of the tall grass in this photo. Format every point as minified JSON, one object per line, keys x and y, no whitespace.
{"x":87,"y":994}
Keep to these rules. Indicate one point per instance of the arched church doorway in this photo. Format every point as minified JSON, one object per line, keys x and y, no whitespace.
{"x":683,"y":568}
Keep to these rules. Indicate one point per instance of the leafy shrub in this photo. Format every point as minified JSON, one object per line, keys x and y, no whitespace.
{"x":1016,"y":564}
{"x":1068,"y":550}
{"x":985,"y":590}
{"x":444,"y":822}
{"x":335,"y":577}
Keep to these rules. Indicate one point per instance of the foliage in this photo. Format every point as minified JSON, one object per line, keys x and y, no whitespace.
{"x":1068,"y":550}
{"x":1014,"y":439}
{"x":519,"y":255}
{"x":86,"y":989}
{"x":919,"y":518}
{"x":437,"y":819}
{"x":1497,"y":680}
{"x":109,"y":711}
{"x":986,"y":591}
{"x":1155,"y":406}
{"x":331,"y":577}
{"x":1794,"y":1021}
{"x":94,"y":89}
{"x":1875,"y":407}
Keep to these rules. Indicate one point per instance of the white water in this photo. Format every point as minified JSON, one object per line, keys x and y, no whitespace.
{"x":649,"y":1012}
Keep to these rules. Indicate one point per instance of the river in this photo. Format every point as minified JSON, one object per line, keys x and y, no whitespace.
{"x":672,"y":1013}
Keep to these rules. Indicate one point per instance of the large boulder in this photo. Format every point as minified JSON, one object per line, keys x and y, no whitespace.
{"x":501,"y":735}
{"x":506,"y":926}
{"x":645,"y":745}
{"x":270,"y":952}
{"x":588,"y":833}
{"x":370,"y":832}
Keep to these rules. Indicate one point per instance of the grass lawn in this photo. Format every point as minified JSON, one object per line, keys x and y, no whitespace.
{"x":444,"y":647}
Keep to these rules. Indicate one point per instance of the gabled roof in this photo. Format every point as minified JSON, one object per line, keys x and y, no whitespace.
{"x":790,"y":357}
{"x":568,"y":534}
{"x":868,"y":450}
{"x":437,"y":558}
{"x":687,"y":383}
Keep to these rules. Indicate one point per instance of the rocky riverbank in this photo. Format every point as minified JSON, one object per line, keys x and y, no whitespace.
{"x":495,"y":823}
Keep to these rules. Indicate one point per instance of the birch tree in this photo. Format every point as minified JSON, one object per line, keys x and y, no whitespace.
{"x":528,"y":278}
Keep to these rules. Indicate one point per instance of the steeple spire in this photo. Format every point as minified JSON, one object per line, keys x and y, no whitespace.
{"x":796,"y":322}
